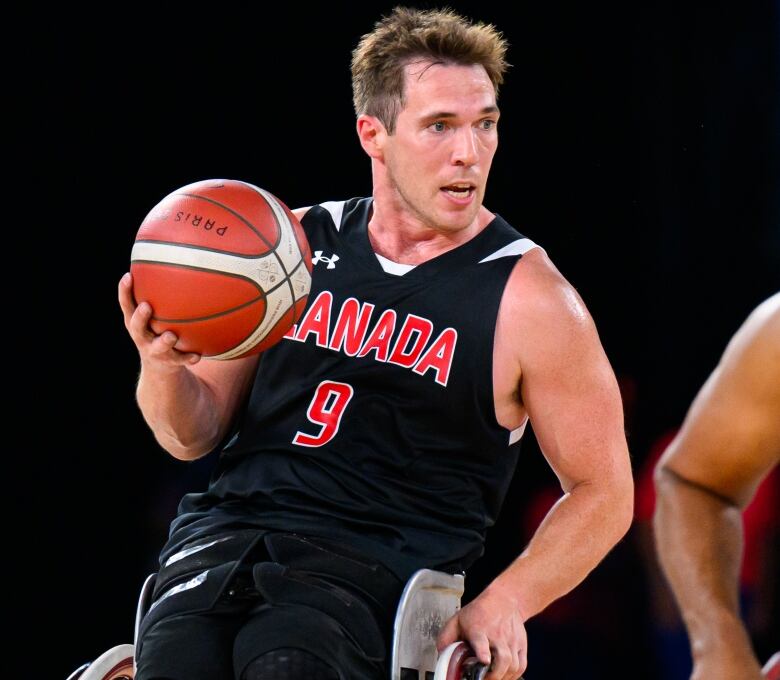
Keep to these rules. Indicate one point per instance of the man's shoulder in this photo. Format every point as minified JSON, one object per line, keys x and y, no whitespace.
{"x":754,"y":350}
{"x":536,"y":286}
{"x":764,"y":321}
{"x":542,"y":315}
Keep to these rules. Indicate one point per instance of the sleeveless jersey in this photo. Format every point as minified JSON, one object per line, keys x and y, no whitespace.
{"x":373,"y":421}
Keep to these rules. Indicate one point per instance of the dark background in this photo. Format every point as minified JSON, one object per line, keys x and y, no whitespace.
{"x":639,"y":145}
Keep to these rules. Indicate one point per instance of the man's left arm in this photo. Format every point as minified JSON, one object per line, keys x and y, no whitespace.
{"x":570,"y":393}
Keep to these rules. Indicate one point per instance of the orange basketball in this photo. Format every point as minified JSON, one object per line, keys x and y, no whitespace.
{"x":225,"y":265}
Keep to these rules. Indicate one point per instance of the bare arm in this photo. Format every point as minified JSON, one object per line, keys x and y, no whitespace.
{"x":188,"y":404}
{"x":571,"y":396}
{"x":729,"y":442}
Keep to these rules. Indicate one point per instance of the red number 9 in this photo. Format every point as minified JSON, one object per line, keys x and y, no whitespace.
{"x":326,"y":409}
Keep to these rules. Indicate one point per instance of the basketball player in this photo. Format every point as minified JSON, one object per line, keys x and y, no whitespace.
{"x":729,"y":442}
{"x":380,"y":436}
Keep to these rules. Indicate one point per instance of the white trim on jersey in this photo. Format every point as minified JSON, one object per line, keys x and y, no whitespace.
{"x":519,"y":247}
{"x":336,"y":209}
{"x":514,"y":435}
{"x":391,"y":267}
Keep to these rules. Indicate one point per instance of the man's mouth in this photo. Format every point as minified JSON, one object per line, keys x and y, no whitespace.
{"x":459,"y":189}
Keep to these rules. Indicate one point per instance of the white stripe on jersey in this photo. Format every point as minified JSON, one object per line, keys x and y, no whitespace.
{"x":391,"y":267}
{"x":514,"y":435}
{"x":335,"y":208}
{"x":519,"y":247}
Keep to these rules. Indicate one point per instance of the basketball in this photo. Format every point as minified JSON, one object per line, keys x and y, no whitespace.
{"x":225,"y":265}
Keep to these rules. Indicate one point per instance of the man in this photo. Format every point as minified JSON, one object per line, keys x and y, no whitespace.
{"x":729,"y":442}
{"x":348,"y":465}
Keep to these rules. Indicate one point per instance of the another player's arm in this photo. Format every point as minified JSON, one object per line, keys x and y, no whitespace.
{"x":570,"y":392}
{"x":728,"y":443}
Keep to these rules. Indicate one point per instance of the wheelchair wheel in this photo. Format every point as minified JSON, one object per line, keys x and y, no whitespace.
{"x":115,"y":664}
{"x":458,"y":662}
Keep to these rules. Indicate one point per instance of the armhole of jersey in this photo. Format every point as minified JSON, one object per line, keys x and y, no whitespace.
{"x":516,"y":434}
{"x":519,"y":247}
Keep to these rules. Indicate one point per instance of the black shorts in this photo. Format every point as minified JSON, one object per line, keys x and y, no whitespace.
{"x":230,"y":598}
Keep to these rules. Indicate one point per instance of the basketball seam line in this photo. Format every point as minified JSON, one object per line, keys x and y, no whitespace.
{"x":263,"y":294}
{"x":211,"y":316}
{"x":221,"y":272}
{"x":288,"y":275}
{"x":192,"y":246}
{"x":273,"y":247}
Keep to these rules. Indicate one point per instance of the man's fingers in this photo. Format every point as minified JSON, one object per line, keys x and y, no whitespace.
{"x":139,"y":323}
{"x":125,"y":295}
{"x":481,"y":646}
{"x":169,"y":338}
{"x":501,"y":661}
{"x":522,"y":660}
{"x":520,"y":646}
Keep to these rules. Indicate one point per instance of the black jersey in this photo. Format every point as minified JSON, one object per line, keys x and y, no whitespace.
{"x":373,"y":420}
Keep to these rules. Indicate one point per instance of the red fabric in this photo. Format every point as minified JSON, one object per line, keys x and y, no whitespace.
{"x":759,"y":520}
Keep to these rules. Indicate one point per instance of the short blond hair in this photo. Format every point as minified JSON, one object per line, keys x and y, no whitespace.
{"x":438,"y":35}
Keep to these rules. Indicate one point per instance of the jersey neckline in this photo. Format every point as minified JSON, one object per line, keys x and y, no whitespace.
{"x":354,"y":228}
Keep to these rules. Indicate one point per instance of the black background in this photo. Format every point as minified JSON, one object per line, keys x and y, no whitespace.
{"x":638,"y":145}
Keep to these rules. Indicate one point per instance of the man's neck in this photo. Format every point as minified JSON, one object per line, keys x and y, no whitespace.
{"x":407,"y":240}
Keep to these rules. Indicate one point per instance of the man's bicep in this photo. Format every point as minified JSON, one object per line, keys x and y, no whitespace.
{"x":730,"y":438}
{"x":571,"y":395}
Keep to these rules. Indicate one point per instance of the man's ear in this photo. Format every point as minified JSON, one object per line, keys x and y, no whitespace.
{"x":372,"y":134}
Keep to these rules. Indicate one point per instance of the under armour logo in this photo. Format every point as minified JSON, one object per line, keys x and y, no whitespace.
{"x":319,"y":257}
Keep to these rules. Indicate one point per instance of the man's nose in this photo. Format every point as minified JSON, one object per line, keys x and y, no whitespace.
{"x":465,"y":149}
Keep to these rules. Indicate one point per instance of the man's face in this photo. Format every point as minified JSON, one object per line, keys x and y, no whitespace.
{"x":439,"y":156}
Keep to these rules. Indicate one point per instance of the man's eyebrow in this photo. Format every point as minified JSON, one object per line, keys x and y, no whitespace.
{"x":447,"y":114}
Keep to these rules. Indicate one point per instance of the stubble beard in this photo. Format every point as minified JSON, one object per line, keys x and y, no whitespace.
{"x":428,"y":217}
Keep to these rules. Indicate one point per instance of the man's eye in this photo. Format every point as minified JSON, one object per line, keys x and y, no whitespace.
{"x":438,"y":126}
{"x":488,"y":124}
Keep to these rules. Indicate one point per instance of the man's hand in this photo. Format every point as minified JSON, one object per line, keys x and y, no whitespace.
{"x":158,"y":349}
{"x":493,"y":625}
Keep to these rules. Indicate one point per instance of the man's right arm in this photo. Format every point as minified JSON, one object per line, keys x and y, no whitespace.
{"x":189,"y":404}
{"x":729,"y":442}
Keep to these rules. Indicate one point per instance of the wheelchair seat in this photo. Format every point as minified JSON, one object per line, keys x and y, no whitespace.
{"x":428,"y":600}
{"x":118,"y":663}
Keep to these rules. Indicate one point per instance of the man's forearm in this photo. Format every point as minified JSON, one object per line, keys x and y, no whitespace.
{"x":699,"y":541}
{"x":179,"y":409}
{"x":578,"y":531}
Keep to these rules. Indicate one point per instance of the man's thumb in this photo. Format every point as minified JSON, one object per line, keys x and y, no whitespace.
{"x":448,"y":634}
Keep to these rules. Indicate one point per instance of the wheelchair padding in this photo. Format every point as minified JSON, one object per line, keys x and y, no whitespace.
{"x":282,"y":586}
{"x":343,"y":566}
{"x":203,"y":554}
{"x":197,"y":594}
{"x":308,"y":593}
